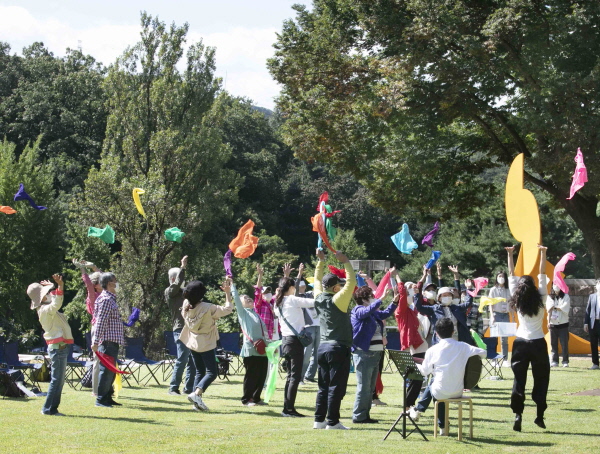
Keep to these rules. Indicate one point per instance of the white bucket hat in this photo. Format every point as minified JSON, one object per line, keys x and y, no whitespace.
{"x":443,"y":290}
{"x":37,"y":292}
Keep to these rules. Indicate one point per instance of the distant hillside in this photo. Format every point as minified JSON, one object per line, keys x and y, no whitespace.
{"x":266,"y":112}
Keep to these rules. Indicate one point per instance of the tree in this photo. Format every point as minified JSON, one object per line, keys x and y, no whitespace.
{"x":31,"y":241}
{"x":162,"y":136}
{"x":420,"y":99}
{"x":60,"y":99}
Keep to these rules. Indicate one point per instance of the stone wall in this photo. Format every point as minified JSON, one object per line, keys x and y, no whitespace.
{"x":579,"y":291}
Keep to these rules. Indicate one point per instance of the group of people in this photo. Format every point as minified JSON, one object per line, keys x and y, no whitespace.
{"x":320,"y":335}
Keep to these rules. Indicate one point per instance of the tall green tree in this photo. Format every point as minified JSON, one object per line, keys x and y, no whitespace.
{"x":62,"y":100}
{"x":162,"y":136}
{"x":31,"y":241}
{"x":419,"y":99}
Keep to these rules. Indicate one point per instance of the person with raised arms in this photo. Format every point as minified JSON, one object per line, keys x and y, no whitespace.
{"x":332,"y":300}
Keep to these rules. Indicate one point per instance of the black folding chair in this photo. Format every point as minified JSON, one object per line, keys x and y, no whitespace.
{"x":393,"y":343}
{"x":230,"y":342}
{"x":134,"y":356}
{"x":75,"y":370}
{"x":169,"y":354}
{"x":11,"y":358}
{"x":492,"y":366}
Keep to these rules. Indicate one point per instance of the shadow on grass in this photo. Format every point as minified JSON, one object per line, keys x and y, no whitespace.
{"x":160,"y":401}
{"x":480,"y":441}
{"x":581,"y":434}
{"x":135,"y":420}
{"x":580,"y":410}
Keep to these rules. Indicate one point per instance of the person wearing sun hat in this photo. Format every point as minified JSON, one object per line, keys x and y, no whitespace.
{"x":57,"y":334}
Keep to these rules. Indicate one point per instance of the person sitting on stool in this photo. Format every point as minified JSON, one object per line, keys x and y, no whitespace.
{"x":447,"y":361}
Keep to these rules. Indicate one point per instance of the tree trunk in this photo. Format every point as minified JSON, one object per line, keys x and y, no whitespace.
{"x":583,"y":212}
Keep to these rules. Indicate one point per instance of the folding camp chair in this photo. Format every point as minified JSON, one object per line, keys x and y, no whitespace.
{"x":11,"y":358}
{"x":75,"y":370}
{"x":492,"y":366}
{"x":169,"y":354}
{"x":134,"y":355}
{"x":393,"y":343}
{"x":230,"y":342}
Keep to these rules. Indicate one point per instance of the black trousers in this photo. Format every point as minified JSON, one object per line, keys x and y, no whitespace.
{"x":560,"y":332}
{"x":334,"y":369}
{"x":293,"y":350}
{"x":254,"y":379}
{"x":594,"y":337}
{"x":414,"y":386}
{"x":534,"y":352}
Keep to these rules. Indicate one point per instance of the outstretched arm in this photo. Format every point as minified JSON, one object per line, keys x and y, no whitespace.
{"x":510,"y":250}
{"x":543,"y":250}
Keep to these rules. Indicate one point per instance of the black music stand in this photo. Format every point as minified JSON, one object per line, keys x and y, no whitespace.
{"x":408,"y":369}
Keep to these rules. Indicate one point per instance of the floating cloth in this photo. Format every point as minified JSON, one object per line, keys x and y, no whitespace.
{"x":227,"y":263}
{"x":580,"y":175}
{"x":136,"y":199}
{"x":244,"y":244}
{"x":134,"y":317}
{"x":319,"y":226}
{"x":403,"y":241}
{"x":107,"y":361}
{"x":385,"y":283}
{"x":273,"y":356}
{"x":477,"y":338}
{"x":428,"y":239}
{"x":360,"y":282}
{"x":480,"y":282}
{"x":174,"y":234}
{"x":7,"y":210}
{"x":22,"y":195}
{"x":435,"y":255}
{"x":337,"y":271}
{"x":559,"y":268}
{"x":485,"y":301}
{"x":107,"y":234}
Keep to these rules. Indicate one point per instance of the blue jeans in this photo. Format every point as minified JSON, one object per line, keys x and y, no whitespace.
{"x":426,"y":399}
{"x":310,"y":363}
{"x":59,"y":368}
{"x":366,"y":364}
{"x":106,"y":377}
{"x":183,"y":358}
{"x":503,"y":318}
{"x":206,"y":368}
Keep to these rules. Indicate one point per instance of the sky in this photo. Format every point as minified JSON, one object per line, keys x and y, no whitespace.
{"x":243,"y":32}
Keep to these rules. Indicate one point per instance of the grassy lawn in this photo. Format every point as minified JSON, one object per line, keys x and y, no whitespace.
{"x":152,"y":421}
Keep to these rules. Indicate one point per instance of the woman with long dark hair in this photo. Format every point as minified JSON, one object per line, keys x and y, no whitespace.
{"x":529,"y":346}
{"x":291,"y":311}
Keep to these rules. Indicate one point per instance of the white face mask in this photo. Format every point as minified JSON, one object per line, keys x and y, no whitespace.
{"x":446,"y":300}
{"x":411,"y":292}
{"x":455,"y":300}
{"x":372,"y":300}
{"x":556,"y":288}
{"x":117,"y":287}
{"x":501,"y":280}
{"x":597,"y":288}
{"x":463,"y":298}
{"x":429,"y":295}
{"x":268,"y":296}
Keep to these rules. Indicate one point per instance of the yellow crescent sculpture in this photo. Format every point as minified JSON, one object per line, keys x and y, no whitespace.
{"x":136,"y":200}
{"x":523,"y":217}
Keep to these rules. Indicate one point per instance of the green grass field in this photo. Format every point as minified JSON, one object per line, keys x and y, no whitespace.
{"x":152,"y":421}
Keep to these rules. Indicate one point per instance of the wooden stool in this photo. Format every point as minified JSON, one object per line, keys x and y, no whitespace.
{"x":459,"y":401}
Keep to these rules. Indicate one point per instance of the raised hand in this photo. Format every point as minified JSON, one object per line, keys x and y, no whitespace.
{"x":184,"y":261}
{"x":57,"y":278}
{"x":510,"y":249}
{"x":287,"y":269}
{"x":300,"y":270}
{"x":226,"y":287}
{"x":46,"y":282}
{"x":341,"y":257}
{"x":320,"y":254}
{"x":259,"y":269}
{"x":454,"y":268}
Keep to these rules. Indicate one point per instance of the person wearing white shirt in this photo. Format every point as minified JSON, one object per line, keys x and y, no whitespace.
{"x":558,"y":304}
{"x":447,"y":361}
{"x":500,"y":312}
{"x":529,"y":345}
{"x":292,"y":321}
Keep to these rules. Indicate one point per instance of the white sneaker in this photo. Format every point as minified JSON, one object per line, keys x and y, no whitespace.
{"x":506,"y":364}
{"x":338,"y":426}
{"x":197,"y":401}
{"x":441,"y":433}
{"x":553,"y":364}
{"x":320,"y":425}
{"x":378,"y":403}
{"x":594,"y":367}
{"x":414,"y":414}
{"x":565,"y":364}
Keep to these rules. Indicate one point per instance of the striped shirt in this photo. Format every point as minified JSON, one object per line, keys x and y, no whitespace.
{"x":109,"y":326}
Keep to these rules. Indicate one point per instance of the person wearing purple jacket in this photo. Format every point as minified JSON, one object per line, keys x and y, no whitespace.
{"x":367,"y":347}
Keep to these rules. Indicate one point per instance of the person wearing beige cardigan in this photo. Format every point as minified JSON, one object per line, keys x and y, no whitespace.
{"x":200,"y":335}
